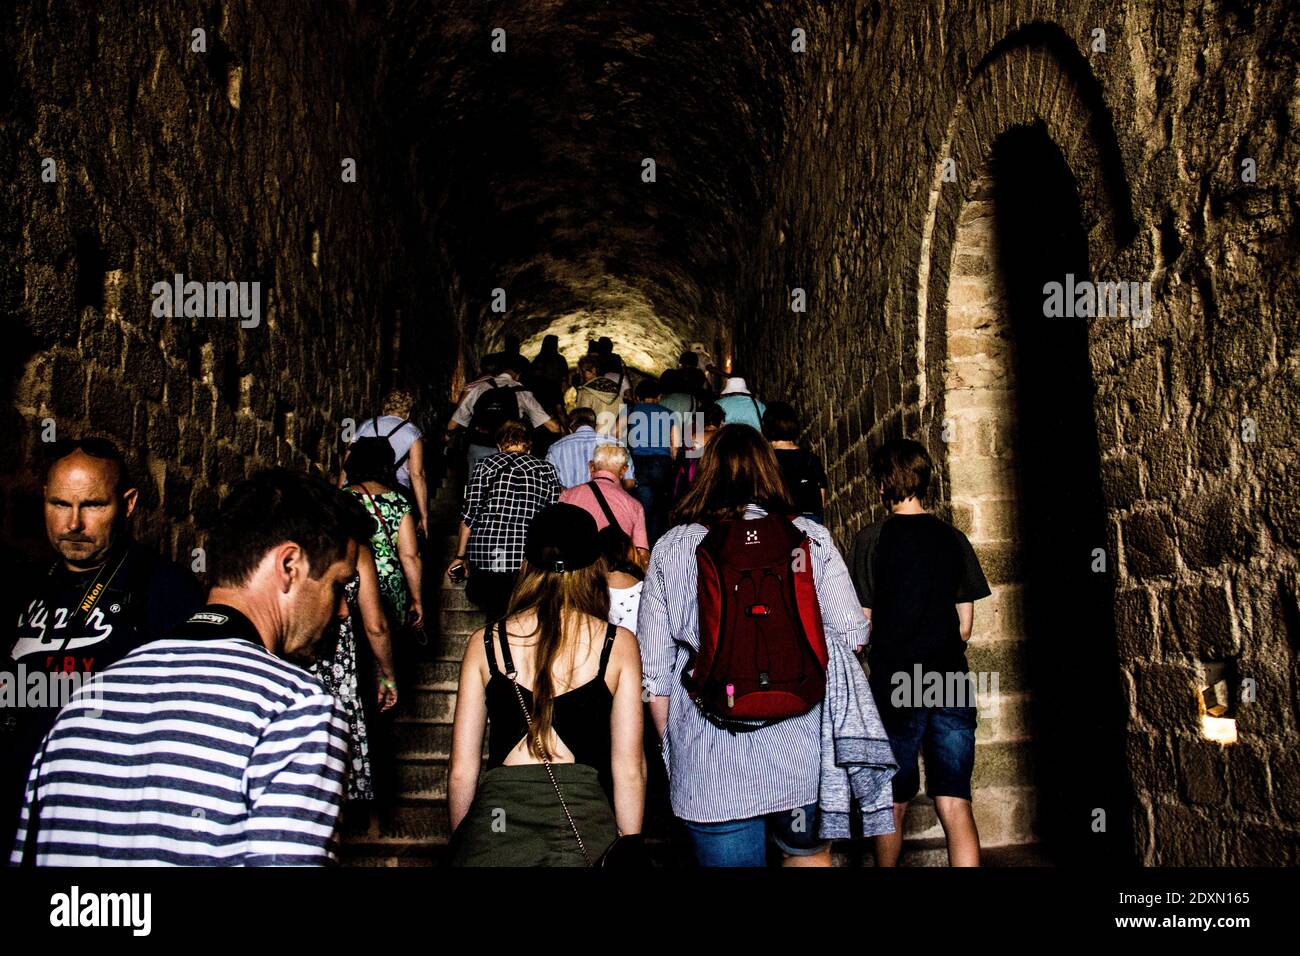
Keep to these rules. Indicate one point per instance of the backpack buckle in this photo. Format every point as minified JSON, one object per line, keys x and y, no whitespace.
{"x":758,"y":610}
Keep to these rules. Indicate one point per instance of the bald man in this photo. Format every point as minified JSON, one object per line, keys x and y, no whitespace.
{"x":103,"y":596}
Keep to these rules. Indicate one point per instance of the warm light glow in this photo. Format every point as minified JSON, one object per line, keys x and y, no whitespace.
{"x":1221,"y":730}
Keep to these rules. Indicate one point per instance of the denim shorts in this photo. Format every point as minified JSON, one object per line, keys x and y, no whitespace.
{"x":944,"y":736}
{"x":744,"y":842}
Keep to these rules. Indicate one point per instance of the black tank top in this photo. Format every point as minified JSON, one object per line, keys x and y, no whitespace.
{"x":580,"y":717}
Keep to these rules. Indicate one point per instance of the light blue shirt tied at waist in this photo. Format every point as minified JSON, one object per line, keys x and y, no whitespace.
{"x":837,"y":749}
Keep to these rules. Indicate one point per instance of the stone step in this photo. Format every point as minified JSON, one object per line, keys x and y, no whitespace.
{"x":439,"y":673}
{"x":418,"y":738}
{"x":459,"y":622}
{"x":395,"y":852}
{"x":414,"y":820}
{"x":424,"y":778}
{"x":430,"y":702}
{"x":453,"y":596}
{"x":450,"y":648}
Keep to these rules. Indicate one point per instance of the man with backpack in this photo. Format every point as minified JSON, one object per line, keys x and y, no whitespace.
{"x":595,"y":391}
{"x":490,"y":404}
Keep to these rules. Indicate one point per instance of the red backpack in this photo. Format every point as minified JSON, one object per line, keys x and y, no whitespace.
{"x":762,"y":650}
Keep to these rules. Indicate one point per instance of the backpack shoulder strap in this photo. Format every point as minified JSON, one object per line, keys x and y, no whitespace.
{"x":604,"y":505}
{"x":406,"y":454}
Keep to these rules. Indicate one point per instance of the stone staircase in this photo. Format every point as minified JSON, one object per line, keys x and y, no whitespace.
{"x":414,"y":829}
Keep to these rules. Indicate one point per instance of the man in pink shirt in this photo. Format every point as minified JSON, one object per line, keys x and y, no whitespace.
{"x":608,"y":466}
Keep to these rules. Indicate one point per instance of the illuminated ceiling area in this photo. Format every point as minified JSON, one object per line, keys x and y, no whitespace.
{"x":594,"y":170}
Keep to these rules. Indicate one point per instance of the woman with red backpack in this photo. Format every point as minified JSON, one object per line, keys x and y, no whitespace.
{"x":739,"y":611}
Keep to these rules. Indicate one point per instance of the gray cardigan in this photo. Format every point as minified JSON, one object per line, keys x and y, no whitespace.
{"x":857,"y":761}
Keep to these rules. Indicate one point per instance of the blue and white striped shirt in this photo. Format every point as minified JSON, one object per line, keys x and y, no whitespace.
{"x":571,"y":454}
{"x":191,"y":753}
{"x":713,"y":775}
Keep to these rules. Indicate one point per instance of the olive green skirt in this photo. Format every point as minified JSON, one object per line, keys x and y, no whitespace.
{"x":516,"y":818}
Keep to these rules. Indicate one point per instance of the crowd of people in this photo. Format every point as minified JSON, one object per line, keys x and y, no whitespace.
{"x":654,"y":574}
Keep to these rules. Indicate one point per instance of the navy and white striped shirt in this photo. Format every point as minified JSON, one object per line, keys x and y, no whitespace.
{"x":714,"y":775}
{"x":192,"y":751}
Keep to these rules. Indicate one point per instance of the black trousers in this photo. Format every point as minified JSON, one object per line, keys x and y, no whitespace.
{"x":490,"y":590}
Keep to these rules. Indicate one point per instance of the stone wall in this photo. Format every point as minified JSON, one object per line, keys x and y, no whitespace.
{"x":1195,"y":415}
{"x":222,"y":165}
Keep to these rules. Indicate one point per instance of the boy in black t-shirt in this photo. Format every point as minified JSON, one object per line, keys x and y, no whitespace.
{"x":917,"y":579}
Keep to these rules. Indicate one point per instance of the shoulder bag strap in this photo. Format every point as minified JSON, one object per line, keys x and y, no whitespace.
{"x":757,"y":411}
{"x":604,"y":505}
{"x":546,"y":760}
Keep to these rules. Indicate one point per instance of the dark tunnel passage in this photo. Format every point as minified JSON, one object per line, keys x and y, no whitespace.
{"x":538,"y":163}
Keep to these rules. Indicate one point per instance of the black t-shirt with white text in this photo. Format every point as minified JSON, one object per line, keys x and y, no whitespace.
{"x":142,"y":600}
{"x":920,"y":569}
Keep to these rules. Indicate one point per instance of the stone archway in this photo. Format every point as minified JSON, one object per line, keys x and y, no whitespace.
{"x":1039,"y":192}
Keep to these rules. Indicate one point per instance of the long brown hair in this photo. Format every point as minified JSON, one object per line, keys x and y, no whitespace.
{"x":551,"y":594}
{"x":738,"y":467}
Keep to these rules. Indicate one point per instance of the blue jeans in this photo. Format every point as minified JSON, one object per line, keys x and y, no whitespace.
{"x":744,"y":842}
{"x":943,"y":736}
{"x":654,"y":481}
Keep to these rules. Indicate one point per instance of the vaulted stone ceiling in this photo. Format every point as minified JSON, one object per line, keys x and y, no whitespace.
{"x":534,"y":159}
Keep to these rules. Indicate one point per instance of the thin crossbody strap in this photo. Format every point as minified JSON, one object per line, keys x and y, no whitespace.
{"x":382,"y":522}
{"x":511,"y":672}
{"x":604,"y":505}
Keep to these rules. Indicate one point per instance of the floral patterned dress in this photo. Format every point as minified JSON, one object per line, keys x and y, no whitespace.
{"x":393,"y":506}
{"x":338,"y":672}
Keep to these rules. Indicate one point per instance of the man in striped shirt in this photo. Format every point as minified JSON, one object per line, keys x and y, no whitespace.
{"x":214,"y":747}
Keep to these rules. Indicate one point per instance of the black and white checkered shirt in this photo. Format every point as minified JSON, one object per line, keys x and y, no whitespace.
{"x":504,"y":492}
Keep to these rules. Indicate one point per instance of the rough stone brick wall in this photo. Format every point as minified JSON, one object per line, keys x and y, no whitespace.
{"x":221,"y":165}
{"x":1202,"y":524}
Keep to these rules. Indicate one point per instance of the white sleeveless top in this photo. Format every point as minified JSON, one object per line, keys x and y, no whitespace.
{"x":402,"y":439}
{"x":623,"y":605}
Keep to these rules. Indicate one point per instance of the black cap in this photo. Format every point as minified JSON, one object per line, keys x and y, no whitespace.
{"x":561,"y":537}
